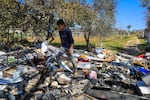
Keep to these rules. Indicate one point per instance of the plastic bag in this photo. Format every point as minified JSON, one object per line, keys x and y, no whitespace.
{"x":44,"y":47}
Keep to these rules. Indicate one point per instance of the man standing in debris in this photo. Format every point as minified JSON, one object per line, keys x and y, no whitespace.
{"x":67,"y":42}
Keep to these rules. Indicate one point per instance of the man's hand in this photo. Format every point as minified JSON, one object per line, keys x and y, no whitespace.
{"x":70,"y":51}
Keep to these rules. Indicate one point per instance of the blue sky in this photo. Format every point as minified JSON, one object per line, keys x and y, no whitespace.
{"x":130,"y":12}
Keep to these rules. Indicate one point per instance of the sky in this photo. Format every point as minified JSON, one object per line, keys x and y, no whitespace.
{"x":130,"y":12}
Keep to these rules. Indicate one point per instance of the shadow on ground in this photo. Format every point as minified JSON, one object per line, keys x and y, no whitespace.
{"x":133,"y":50}
{"x":81,"y":47}
{"x":145,"y":47}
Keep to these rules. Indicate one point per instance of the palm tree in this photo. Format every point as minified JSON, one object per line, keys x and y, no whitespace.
{"x":129,"y":27}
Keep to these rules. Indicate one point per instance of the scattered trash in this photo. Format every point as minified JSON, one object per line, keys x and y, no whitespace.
{"x":144,"y":90}
{"x":84,"y":65}
{"x":141,"y":62}
{"x":93,"y":75}
{"x":63,"y":79}
{"x":144,"y":71}
{"x":44,"y":47}
{"x":34,"y":74}
{"x":2,"y":53}
{"x":54,"y":84}
{"x":146,"y":79}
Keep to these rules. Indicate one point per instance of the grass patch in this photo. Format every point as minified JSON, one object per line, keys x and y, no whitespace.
{"x":116,"y":42}
{"x":111,"y":42}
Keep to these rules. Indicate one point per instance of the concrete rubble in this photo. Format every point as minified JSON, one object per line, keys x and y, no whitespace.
{"x":33,"y":74}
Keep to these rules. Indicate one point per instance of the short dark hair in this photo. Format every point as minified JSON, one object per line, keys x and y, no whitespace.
{"x":60,"y":22}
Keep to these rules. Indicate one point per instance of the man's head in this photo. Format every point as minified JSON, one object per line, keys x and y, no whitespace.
{"x":61,"y":25}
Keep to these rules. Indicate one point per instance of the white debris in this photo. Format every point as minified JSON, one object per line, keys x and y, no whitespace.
{"x":2,"y":53}
{"x":44,"y":47}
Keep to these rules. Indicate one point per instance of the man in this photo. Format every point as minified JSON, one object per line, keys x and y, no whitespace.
{"x":67,"y":42}
{"x":50,"y":29}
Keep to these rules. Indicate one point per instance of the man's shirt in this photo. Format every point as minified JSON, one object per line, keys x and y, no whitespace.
{"x":66,"y":38}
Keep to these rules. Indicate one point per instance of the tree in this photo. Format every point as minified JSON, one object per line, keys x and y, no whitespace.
{"x":129,"y":27}
{"x":12,"y":16}
{"x":94,"y":18}
{"x":87,"y":21}
{"x":146,"y":4}
{"x":30,"y":15}
{"x":106,"y":17}
{"x":98,"y":17}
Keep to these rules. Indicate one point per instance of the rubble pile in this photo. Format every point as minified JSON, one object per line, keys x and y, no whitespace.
{"x":33,"y":74}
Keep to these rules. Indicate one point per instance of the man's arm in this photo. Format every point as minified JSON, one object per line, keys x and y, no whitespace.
{"x":70,"y":49}
{"x":71,"y":42}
